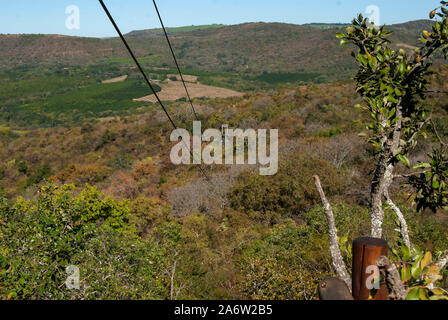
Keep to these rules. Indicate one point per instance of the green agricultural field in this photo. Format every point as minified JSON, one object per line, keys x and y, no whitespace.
{"x":74,"y":101}
{"x":18,"y":92}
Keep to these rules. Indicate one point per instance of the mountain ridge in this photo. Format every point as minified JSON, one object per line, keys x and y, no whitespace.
{"x":245,"y":49}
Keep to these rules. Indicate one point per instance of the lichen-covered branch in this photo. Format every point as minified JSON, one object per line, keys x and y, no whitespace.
{"x":383,"y":175}
{"x":338,"y":261}
{"x":442,"y":262}
{"x":403,"y":224}
{"x":392,"y":278}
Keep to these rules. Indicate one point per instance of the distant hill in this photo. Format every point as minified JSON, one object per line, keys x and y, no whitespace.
{"x":250,"y":49}
{"x":326,"y":25}
{"x":177,"y":30}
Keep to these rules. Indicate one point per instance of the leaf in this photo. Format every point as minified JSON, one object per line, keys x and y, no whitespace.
{"x":421,"y":165}
{"x":414,"y":294}
{"x":398,"y":93}
{"x":423,"y":294}
{"x":402,"y":67}
{"x":438,"y":291}
{"x":392,"y":113}
{"x":395,"y":252}
{"x":405,"y":274}
{"x":404,"y":160}
{"x":435,"y":182}
{"x":392,"y":99}
{"x":416,"y":270}
{"x":426,"y":260}
{"x":362,"y":134}
{"x":343,"y":42}
{"x":432,"y":270}
{"x":361,"y":59}
{"x":438,"y":297}
{"x":340,"y":35}
{"x":406,"y":252}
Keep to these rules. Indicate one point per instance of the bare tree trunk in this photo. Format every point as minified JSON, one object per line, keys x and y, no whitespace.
{"x":380,"y":185}
{"x":383,"y":175}
{"x":392,"y":277}
{"x":338,"y":261}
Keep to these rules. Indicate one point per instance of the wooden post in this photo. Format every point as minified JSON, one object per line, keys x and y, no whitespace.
{"x":365,"y":253}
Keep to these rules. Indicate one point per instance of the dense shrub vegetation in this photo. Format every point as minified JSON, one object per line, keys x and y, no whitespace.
{"x":266,"y":239}
{"x":86,"y":179}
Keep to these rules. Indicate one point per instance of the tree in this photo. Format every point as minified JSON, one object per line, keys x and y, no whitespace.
{"x":40,"y":239}
{"x":391,"y":84}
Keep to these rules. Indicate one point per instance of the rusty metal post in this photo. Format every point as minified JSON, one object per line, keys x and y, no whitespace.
{"x":365,"y":253}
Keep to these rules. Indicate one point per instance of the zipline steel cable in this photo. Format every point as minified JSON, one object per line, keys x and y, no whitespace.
{"x":144,"y":76}
{"x":175,"y":59}
{"x":136,"y":62}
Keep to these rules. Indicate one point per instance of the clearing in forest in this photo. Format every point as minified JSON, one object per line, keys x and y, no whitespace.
{"x":187,"y":77}
{"x":118,"y":79}
{"x":174,"y":90}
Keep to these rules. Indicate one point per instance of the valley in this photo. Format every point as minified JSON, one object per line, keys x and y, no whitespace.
{"x":86,"y":177}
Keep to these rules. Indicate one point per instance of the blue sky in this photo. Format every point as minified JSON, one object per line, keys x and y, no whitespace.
{"x":48,"y":16}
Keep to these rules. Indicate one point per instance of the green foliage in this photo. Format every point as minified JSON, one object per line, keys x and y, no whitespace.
{"x":391,"y":83}
{"x":270,"y":242}
{"x":289,"y":193}
{"x":75,"y":102}
{"x":107,"y":137}
{"x":122,"y":161}
{"x":419,"y":276}
{"x":40,"y":239}
{"x":431,"y":186}
{"x":40,"y":173}
{"x":22,"y":167}
{"x":285,"y":264}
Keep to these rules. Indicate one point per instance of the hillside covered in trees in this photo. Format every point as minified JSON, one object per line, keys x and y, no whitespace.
{"x":86,"y":178}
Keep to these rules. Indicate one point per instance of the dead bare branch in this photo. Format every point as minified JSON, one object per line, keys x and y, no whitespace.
{"x":437,"y":134}
{"x":173,"y":273}
{"x":403,"y":224}
{"x":442,"y":262}
{"x":338,"y":261}
{"x":390,"y":273}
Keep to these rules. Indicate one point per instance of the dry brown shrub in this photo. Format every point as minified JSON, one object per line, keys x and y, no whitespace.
{"x":122,"y":186}
{"x":81,"y":174}
{"x":204,"y":196}
{"x":263,"y":103}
